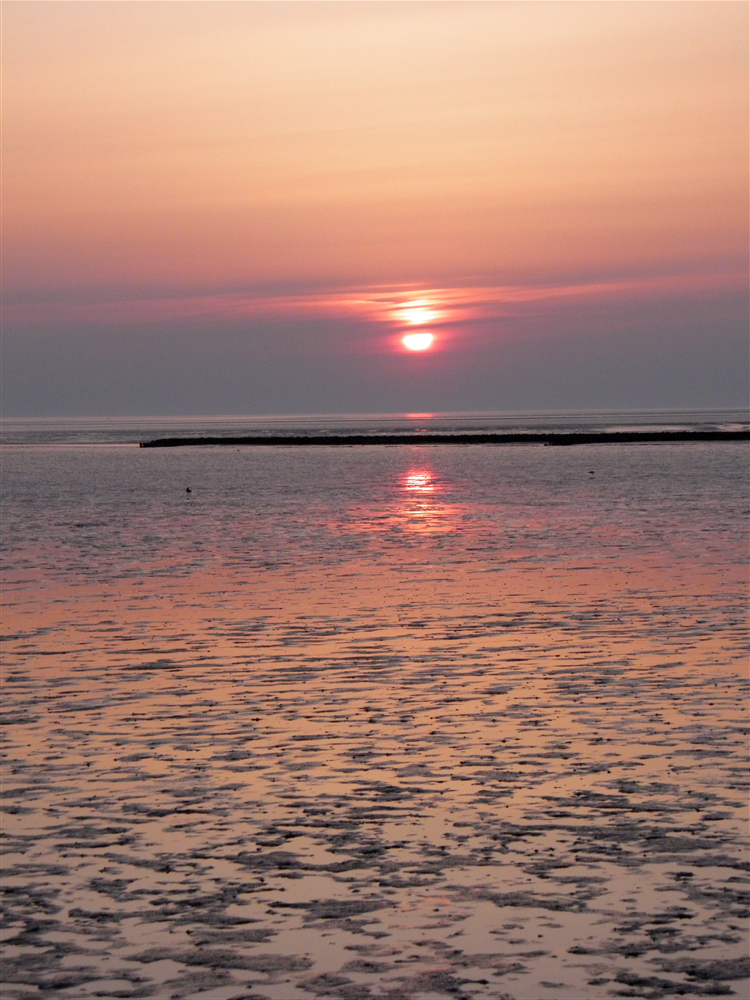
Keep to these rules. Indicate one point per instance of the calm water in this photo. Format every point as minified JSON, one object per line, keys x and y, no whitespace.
{"x":373,"y":722}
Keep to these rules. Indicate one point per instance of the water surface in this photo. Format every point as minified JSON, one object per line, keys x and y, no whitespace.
{"x":403,"y":722}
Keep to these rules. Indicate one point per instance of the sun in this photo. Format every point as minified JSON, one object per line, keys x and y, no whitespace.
{"x":417,"y":341}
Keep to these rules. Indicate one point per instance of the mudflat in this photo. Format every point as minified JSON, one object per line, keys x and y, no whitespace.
{"x":410,"y":725}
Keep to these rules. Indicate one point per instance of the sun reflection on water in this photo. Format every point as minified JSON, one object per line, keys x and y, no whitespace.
{"x":419,"y":510}
{"x":416,"y":501}
{"x":419,"y":482}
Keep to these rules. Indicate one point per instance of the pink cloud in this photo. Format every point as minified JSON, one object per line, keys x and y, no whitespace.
{"x":392,"y":306}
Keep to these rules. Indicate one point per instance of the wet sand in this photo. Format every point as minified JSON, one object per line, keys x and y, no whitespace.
{"x":445,"y":774}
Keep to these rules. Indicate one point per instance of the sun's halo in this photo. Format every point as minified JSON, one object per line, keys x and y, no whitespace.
{"x":417,"y":341}
{"x":417,"y":312}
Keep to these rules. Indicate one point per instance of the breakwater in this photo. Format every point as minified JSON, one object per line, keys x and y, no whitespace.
{"x":541,"y":438}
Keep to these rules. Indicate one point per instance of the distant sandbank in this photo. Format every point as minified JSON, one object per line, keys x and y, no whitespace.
{"x":544,"y":438}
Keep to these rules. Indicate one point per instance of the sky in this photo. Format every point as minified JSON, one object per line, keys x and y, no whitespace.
{"x":230,"y":208}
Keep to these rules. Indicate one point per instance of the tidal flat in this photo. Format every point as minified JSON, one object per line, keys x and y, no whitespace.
{"x":375,"y":723}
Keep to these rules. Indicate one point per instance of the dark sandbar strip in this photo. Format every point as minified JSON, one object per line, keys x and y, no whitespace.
{"x":549,"y":438}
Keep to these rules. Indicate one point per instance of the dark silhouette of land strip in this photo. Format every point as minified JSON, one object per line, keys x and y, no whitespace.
{"x":553,"y":438}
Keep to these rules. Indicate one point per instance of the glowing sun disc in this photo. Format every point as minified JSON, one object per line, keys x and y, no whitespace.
{"x":417,"y":341}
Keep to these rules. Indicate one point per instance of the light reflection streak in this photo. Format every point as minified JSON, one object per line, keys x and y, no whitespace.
{"x":419,"y":482}
{"x":418,"y":510}
{"x":414,"y":506}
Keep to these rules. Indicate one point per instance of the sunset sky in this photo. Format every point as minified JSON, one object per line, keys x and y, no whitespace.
{"x":243,"y":207}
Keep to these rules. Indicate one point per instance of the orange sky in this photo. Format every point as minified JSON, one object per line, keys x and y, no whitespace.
{"x":205,"y":146}
{"x":235,"y":162}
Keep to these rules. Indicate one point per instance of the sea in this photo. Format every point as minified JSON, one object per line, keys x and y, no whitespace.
{"x":403,"y":722}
